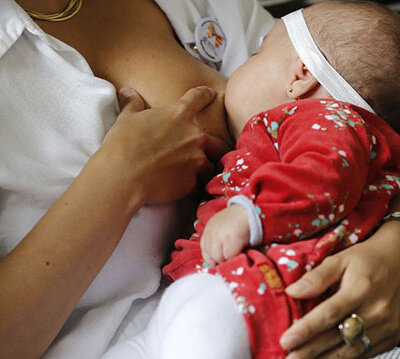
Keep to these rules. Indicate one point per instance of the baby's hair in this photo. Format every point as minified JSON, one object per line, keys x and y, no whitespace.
{"x":361,"y":40}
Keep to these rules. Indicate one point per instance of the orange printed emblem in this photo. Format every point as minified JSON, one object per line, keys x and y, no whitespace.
{"x":337,"y":235}
{"x":271,"y":277}
{"x":219,"y":39}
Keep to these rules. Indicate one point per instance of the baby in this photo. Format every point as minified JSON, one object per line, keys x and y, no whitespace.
{"x":313,"y":173}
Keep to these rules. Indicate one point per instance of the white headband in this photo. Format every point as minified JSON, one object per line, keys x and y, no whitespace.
{"x":316,"y":63}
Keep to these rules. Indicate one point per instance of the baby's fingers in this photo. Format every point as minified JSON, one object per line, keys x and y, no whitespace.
{"x":205,"y":250}
{"x":208,"y":260}
{"x":232,"y":250}
{"x":216,"y":250}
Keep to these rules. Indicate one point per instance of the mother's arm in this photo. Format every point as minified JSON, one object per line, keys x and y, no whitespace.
{"x":44,"y":277}
{"x":369,"y":278}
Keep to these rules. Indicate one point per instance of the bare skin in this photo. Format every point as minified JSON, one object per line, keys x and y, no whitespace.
{"x":137,"y":49}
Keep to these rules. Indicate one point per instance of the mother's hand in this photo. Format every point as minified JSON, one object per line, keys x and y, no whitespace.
{"x":369,"y":278}
{"x":148,"y":156}
{"x":165,"y":147}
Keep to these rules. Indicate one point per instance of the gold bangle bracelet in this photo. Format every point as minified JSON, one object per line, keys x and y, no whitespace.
{"x":70,"y":11}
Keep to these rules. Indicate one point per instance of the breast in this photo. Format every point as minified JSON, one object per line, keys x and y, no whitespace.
{"x":138,"y":49}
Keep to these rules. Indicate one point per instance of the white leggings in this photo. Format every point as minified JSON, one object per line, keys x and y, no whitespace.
{"x":197,"y":318}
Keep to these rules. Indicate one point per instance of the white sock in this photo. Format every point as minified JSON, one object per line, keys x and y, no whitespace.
{"x":197,"y":318}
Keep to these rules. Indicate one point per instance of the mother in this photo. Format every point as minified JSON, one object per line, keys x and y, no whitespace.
{"x":54,"y":115}
{"x":49,"y":88}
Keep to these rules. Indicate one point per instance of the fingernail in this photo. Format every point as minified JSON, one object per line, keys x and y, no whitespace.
{"x":298,"y":287}
{"x":127,"y":91}
{"x":290,"y":341}
{"x":209,"y":89}
{"x":293,"y":356}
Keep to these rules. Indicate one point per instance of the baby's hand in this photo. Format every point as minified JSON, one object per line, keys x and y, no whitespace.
{"x":225,"y":235}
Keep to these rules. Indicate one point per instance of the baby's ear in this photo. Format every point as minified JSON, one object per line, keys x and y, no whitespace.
{"x":303,"y":84}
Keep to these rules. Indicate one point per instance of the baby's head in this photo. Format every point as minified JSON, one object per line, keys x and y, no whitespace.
{"x":361,"y":40}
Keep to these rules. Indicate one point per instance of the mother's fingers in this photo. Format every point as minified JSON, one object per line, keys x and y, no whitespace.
{"x":196,"y":99}
{"x":215,"y":148}
{"x":206,"y":172}
{"x":192,"y":102}
{"x":330,"y":345}
{"x":317,"y":281}
{"x":323,"y":317}
{"x":344,"y":352}
{"x":128,"y":96}
{"x":326,"y":314}
{"x":320,"y":344}
{"x":378,"y":344}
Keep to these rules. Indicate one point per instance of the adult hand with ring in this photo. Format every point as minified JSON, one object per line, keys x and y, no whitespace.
{"x":369,"y":285}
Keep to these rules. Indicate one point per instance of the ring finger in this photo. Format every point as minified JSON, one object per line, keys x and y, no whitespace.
{"x":343,"y":351}
{"x":318,"y":345}
{"x":329,"y":341}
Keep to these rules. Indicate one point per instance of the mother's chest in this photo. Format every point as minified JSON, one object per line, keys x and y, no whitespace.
{"x":117,"y":38}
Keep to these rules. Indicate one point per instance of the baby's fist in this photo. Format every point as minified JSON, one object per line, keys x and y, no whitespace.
{"x":225,"y":235}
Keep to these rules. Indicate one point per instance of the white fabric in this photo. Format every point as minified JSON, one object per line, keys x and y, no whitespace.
{"x":197,"y":318}
{"x":316,"y":63}
{"x":393,"y":354}
{"x":255,"y":225}
{"x":53,"y":116}
{"x":244,"y":23}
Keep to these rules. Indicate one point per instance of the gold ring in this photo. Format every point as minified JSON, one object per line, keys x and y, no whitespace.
{"x":352,"y":330}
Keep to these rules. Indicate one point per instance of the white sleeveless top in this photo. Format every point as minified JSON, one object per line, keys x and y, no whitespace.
{"x":54,"y":114}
